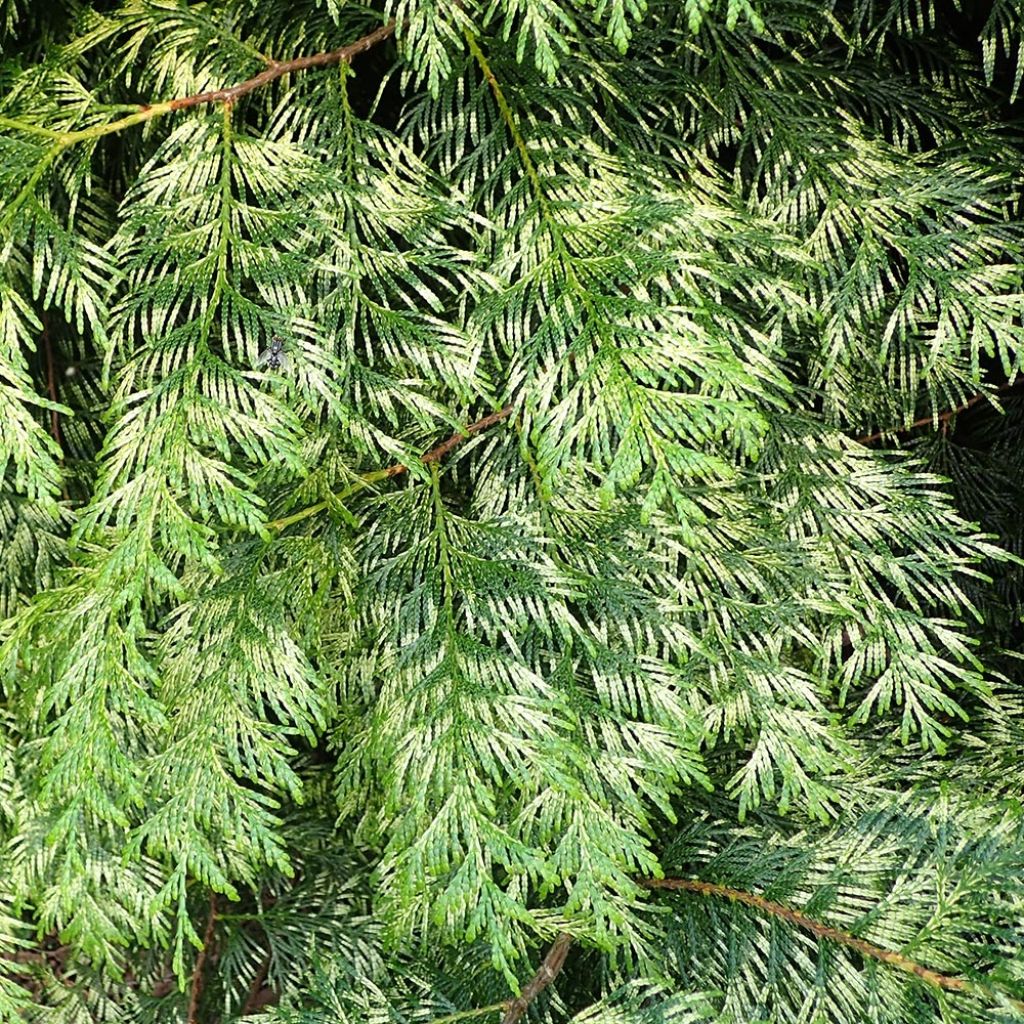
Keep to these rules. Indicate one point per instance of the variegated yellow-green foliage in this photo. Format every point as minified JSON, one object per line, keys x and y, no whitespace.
{"x":310,"y":712}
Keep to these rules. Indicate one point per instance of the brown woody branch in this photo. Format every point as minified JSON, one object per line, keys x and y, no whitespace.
{"x":546,"y":973}
{"x":434,"y":455}
{"x":441,"y":450}
{"x":258,"y":995}
{"x":148,"y":111}
{"x":438,"y":453}
{"x":949,"y":982}
{"x":555,"y":958}
{"x":196,"y":988}
{"x":942,"y":417}
{"x":277,"y":69}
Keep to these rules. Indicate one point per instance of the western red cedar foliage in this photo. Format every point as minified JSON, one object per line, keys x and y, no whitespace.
{"x":511,"y":510}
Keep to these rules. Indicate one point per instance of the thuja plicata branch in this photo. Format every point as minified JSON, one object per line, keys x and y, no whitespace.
{"x":515,"y":1008}
{"x":555,"y":958}
{"x":948,"y":982}
{"x":546,"y":973}
{"x":365,"y":479}
{"x":196,"y":987}
{"x":942,"y":417}
{"x":147,"y":111}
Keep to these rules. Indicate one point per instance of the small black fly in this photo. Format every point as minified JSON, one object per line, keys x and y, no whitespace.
{"x":274,"y":357}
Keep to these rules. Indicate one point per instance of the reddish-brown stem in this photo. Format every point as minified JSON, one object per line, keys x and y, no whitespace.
{"x":228,"y":95}
{"x":254,"y":999}
{"x":434,"y":455}
{"x":949,"y":982}
{"x":546,"y":973}
{"x":438,"y":453}
{"x":942,"y":418}
{"x":196,"y":988}
{"x":278,"y":69}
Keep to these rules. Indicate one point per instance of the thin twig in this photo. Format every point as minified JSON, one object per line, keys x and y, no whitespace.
{"x":252,"y":999}
{"x":276,"y":69}
{"x":515,"y":1008}
{"x":51,"y":387}
{"x":508,"y":117}
{"x":476,"y":1011}
{"x":438,"y":453}
{"x":949,"y":982}
{"x":434,"y":455}
{"x":147,"y":111}
{"x":196,"y":988}
{"x":51,"y":383}
{"x":546,"y":973}
{"x":942,"y":417}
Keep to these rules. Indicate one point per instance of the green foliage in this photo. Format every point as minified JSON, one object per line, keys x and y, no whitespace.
{"x":930,"y":874}
{"x":711,"y":581}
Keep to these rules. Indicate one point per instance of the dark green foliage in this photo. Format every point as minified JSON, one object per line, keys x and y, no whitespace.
{"x":300,"y":722}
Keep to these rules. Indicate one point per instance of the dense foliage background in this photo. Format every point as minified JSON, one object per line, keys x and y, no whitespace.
{"x":611,"y":565}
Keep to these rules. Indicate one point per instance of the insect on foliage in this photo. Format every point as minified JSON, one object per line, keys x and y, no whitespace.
{"x":274,"y":357}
